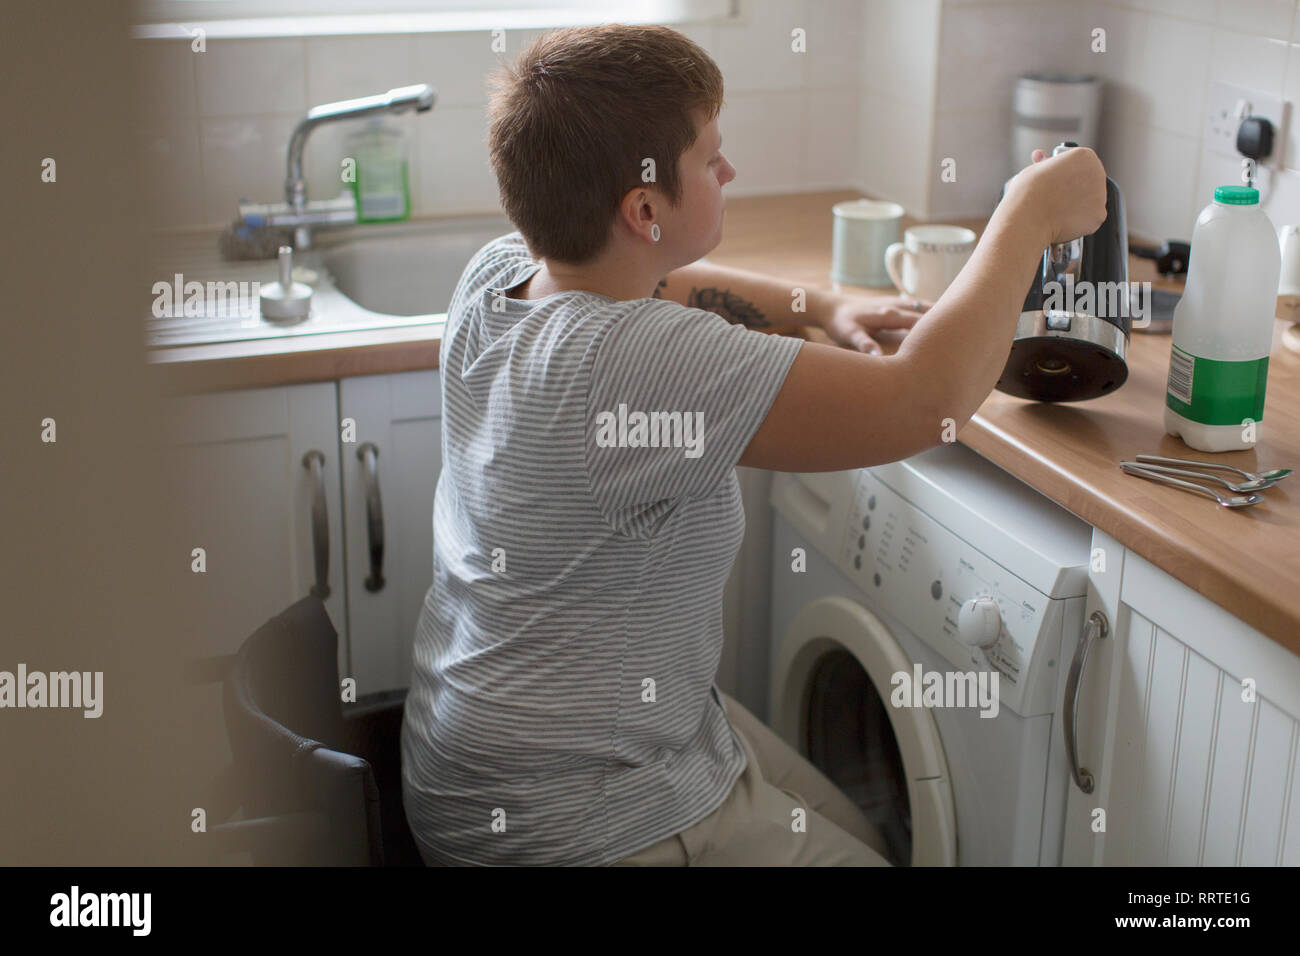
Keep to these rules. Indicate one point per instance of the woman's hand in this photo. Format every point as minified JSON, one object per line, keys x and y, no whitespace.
{"x":852,"y":319}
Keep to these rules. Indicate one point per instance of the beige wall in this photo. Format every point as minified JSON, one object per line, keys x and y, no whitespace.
{"x":84,"y":577}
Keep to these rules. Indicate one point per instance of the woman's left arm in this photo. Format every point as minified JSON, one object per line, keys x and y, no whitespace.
{"x":765,"y":303}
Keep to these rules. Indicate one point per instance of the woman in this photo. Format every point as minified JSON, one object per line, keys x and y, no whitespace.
{"x":599,"y":387}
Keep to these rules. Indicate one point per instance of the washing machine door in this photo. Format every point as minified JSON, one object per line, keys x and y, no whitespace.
{"x":827,"y":629}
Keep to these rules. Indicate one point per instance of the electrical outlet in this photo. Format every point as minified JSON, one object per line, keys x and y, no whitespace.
{"x":1222,"y":121}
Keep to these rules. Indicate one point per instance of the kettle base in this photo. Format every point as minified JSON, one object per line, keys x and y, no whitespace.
{"x":1054,"y":368}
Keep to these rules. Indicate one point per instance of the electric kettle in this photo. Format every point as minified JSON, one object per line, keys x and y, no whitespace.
{"x":1073,"y":334}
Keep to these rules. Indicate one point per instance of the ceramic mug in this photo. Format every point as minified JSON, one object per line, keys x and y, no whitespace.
{"x":863,"y":230}
{"x":930,"y":258}
{"x":1288,"y":238}
{"x":1288,"y":283}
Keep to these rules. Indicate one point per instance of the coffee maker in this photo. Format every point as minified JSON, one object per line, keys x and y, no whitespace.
{"x":1073,"y":334}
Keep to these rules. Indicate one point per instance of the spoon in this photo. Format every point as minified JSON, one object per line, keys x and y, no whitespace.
{"x":1236,"y":501}
{"x":1273,"y":474}
{"x":1239,"y":486}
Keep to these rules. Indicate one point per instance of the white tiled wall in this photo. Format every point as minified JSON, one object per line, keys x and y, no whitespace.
{"x":215,"y":124}
{"x":896,"y":107}
{"x":886,"y":91}
{"x":982,"y":48}
{"x":1161,"y":57}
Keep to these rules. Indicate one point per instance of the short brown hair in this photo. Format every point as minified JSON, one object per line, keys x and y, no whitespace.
{"x":575,"y":117}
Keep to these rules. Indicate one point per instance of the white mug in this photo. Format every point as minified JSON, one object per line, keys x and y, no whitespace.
{"x":1288,"y":283}
{"x":931,"y":258}
{"x":1289,"y":278}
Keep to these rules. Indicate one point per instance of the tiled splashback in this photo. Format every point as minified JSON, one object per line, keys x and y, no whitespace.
{"x":1161,"y":57}
{"x":1152,"y":131}
{"x":886,"y":91}
{"x":216,"y":124}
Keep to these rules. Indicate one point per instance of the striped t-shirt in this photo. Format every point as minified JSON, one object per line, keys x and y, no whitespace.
{"x":562,"y":707}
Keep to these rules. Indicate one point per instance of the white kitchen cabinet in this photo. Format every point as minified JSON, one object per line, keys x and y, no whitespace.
{"x":398,"y":428}
{"x":746,"y":606}
{"x":244,"y":495}
{"x":1187,"y":772}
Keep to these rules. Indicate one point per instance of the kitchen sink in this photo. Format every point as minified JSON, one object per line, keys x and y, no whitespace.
{"x":365,"y":277}
{"x":412,"y":271}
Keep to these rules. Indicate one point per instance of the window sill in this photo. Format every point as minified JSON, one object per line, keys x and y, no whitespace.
{"x":390,"y":23}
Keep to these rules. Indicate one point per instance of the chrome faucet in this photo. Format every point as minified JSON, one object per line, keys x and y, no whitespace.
{"x":296,"y":212}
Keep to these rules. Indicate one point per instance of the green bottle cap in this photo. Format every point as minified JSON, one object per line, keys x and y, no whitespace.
{"x":1236,"y":195}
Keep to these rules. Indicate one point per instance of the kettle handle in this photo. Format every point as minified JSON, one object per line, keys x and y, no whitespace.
{"x":1063,"y":258}
{"x":1058,"y":250}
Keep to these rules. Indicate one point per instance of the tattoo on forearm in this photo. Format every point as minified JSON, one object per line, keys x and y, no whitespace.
{"x":663,"y":284}
{"x":733,"y":308}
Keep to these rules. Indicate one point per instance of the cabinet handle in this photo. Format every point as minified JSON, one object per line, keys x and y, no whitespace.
{"x":1097,"y":626}
{"x":369,"y":455}
{"x":320,"y":524}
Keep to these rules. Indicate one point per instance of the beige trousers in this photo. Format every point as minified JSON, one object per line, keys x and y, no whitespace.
{"x":756,"y":825}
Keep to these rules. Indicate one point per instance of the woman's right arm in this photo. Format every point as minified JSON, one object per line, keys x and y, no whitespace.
{"x":844,"y":409}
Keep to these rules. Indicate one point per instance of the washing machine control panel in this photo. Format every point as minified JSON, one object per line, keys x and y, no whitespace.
{"x":977,"y":614}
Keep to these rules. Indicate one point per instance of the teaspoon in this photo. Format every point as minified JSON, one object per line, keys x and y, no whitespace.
{"x":1236,"y":501}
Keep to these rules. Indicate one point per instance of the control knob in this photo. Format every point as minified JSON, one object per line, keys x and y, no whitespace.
{"x":979,"y":623}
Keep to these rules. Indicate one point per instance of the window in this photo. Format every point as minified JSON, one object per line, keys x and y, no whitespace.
{"x":325,"y":17}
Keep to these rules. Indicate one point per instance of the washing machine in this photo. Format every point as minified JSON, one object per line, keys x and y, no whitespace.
{"x":938,"y":573}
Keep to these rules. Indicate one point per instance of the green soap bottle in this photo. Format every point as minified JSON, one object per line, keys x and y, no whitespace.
{"x":380,"y":183}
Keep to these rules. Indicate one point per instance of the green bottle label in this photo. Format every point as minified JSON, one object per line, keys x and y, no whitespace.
{"x":1213,"y":392}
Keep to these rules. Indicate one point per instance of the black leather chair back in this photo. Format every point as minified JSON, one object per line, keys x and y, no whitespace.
{"x":285,"y":719}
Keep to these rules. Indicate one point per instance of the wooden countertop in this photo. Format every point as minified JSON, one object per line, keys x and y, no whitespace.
{"x":1247,"y":561}
{"x":294,"y":359}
